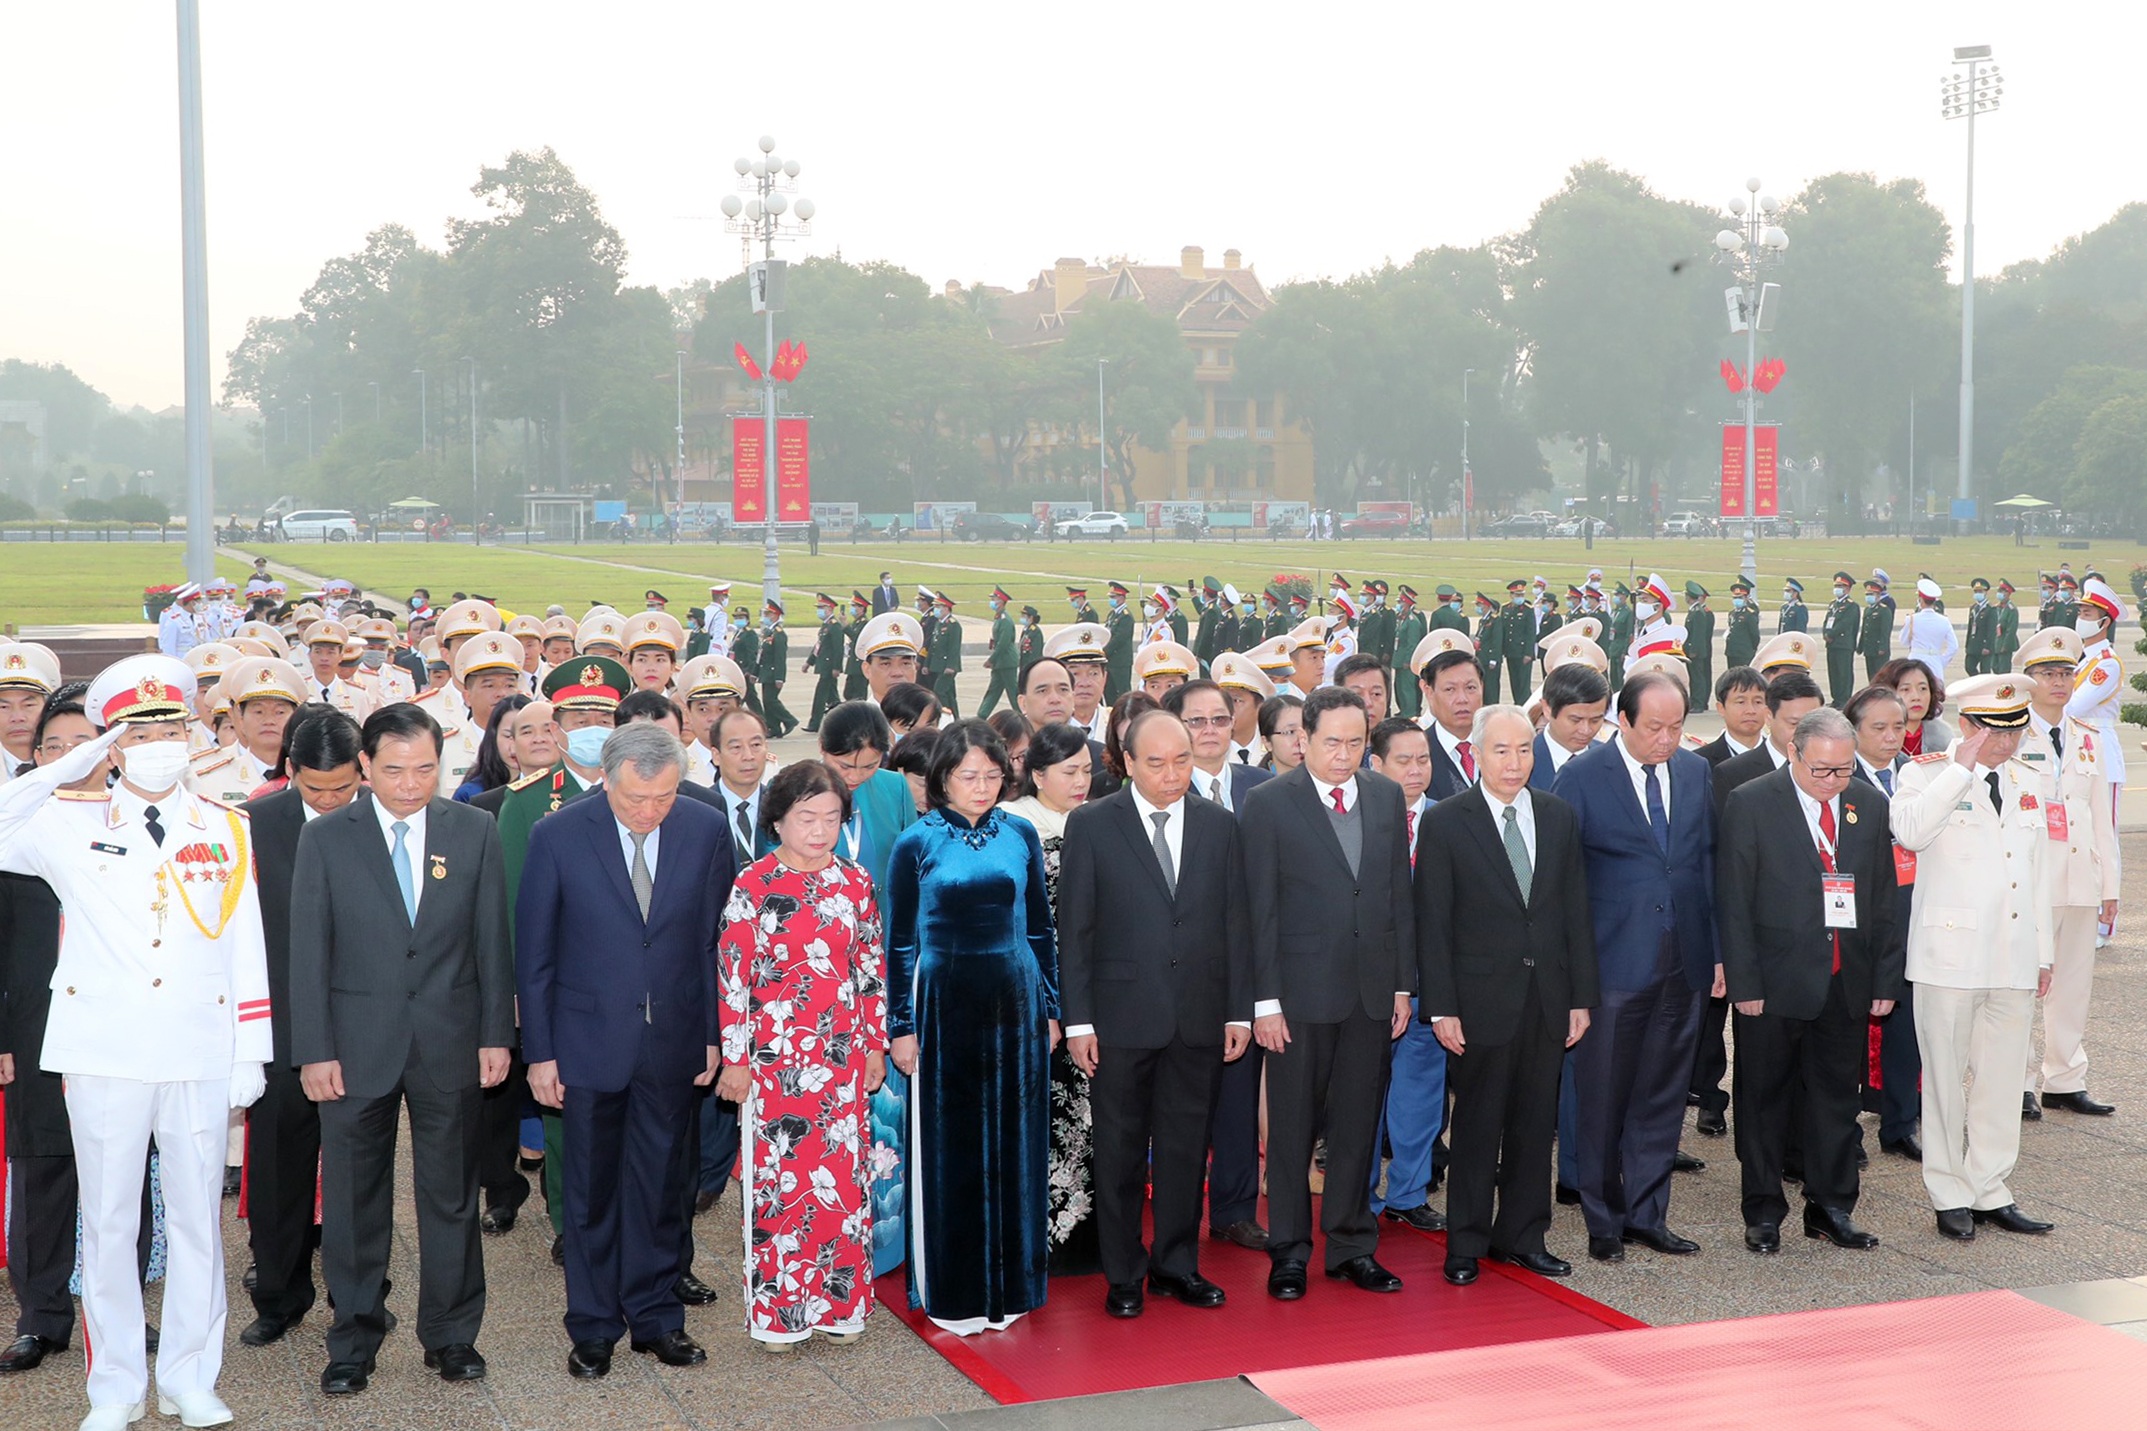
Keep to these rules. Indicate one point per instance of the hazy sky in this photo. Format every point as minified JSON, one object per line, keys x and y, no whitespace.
{"x":981,"y":141}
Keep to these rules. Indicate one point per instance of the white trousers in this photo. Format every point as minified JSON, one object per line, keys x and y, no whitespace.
{"x":112,"y":1120}
{"x":2072,"y":985}
{"x":1972,"y":1040}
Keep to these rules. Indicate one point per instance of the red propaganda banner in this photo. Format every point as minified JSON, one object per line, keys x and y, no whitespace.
{"x":793,"y":470}
{"x":1766,"y":450}
{"x":749,"y":470}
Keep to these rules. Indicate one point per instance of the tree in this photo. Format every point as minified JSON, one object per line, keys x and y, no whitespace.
{"x":2043,"y":456}
{"x":1148,"y":379}
{"x":2106,"y":475}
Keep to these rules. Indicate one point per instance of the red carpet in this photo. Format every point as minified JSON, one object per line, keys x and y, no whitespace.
{"x":1069,"y":1347}
{"x":1988,"y":1361}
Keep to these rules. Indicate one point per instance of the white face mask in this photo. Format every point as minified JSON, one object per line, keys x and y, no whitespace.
{"x":2089,"y":627}
{"x":154,"y":767}
{"x":1646,"y":610}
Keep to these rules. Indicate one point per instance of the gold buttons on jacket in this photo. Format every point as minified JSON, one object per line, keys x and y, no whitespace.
{"x":70,"y":988}
{"x":156,"y":983}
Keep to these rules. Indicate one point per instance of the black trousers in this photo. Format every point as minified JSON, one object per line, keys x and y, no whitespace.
{"x":1234,"y":1143}
{"x":41,"y":1208}
{"x":358,"y":1137}
{"x":499,"y":1170}
{"x":1332,"y":1078}
{"x":1630,"y":1076}
{"x":1150,"y":1108}
{"x":1711,"y":1058}
{"x":1823,"y":1059}
{"x":283,"y":1151}
{"x":1900,"y":1069}
{"x":625,"y":1170}
{"x":1505,"y":1112}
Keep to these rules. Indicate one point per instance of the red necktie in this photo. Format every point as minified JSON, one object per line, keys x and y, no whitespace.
{"x":1468,"y":761}
{"x":1339,"y":807}
{"x":1411,"y":817}
{"x":1826,"y":862}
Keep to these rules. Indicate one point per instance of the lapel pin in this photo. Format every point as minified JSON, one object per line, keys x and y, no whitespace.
{"x":1851,"y":813}
{"x":439,"y":867}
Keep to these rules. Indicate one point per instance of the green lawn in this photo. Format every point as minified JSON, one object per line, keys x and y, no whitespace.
{"x":93,"y":582}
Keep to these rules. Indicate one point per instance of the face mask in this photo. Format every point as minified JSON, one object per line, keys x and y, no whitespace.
{"x":738,"y":624}
{"x":154,"y":767}
{"x":1149,"y":609}
{"x":373,"y":660}
{"x":1118,"y":603}
{"x":1841,"y":593}
{"x":586,"y":745}
{"x":2089,"y":627}
{"x":1646,"y":610}
{"x":1737,"y":603}
{"x":1981,"y":598}
{"x":1789,"y":596}
{"x":1245,"y":607}
{"x":1456,"y":605}
{"x":1871,"y":598}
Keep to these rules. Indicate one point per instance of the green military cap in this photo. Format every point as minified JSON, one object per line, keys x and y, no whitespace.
{"x":587,"y":683}
{"x":1623,"y":590}
{"x":1694,"y":591}
{"x":1979,"y":584}
{"x":1030,"y":613}
{"x":1444,"y":591}
{"x":1740,"y":585}
{"x":1210,"y":585}
{"x":1517,"y":584}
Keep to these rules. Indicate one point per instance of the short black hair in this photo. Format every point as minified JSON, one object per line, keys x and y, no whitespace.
{"x":955,"y":743}
{"x":1271,"y":711}
{"x":907,"y":703}
{"x":1445,"y":661}
{"x":1021,"y":687}
{"x":1738,"y":678}
{"x":1791,"y":686}
{"x":1174,"y":699}
{"x":1052,"y":744}
{"x":854,"y":726}
{"x":1332,"y":698}
{"x":1861,"y":703}
{"x":800,"y":780}
{"x":1357,"y":664}
{"x":54,"y":709}
{"x":1637,"y":686}
{"x":1579,"y":684}
{"x":715,"y":732}
{"x":648,"y":705}
{"x":328,"y":740}
{"x":1012,"y":725}
{"x":912,"y":754}
{"x":1391,"y":729}
{"x":401,"y":721}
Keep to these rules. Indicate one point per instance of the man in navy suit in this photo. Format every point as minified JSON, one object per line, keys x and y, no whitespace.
{"x":1575,"y":699}
{"x":1453,"y":687}
{"x":618,"y":1037}
{"x":1414,"y":1113}
{"x":1647,"y":825}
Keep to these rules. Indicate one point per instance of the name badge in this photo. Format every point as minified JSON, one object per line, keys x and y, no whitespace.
{"x":104,"y":849}
{"x":1904,"y":865}
{"x":2060,"y":823}
{"x":1837,"y":893}
{"x":2033,"y":756}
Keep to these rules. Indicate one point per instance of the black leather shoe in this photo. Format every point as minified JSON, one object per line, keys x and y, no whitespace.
{"x":1713,"y":1122}
{"x":1663,"y":1240}
{"x":2011,"y":1218}
{"x":702,"y":1202}
{"x":693,"y":1291}
{"x":345,"y":1378}
{"x":1540,"y":1263}
{"x":559,"y":1252}
{"x":252,"y":1279}
{"x":2078,"y":1103}
{"x":2030,"y":1110}
{"x":1247,"y":1234}
{"x":266,"y":1330}
{"x":1124,"y":1300}
{"x":1833,"y":1224}
{"x":1420,"y":1217}
{"x":529,"y":1165}
{"x":1904,"y":1146}
{"x":27,"y":1353}
{"x":457,"y":1361}
{"x":1765,"y":1238}
{"x":233,"y":1179}
{"x":1460,"y":1271}
{"x":1286,"y":1280}
{"x":1568,"y":1195}
{"x":1957,"y":1223}
{"x":1684,"y":1162}
{"x":589,"y":1360}
{"x":674,"y":1349}
{"x":1606,"y":1249}
{"x":1367,"y":1274}
{"x":499,"y":1221}
{"x":1192,"y":1289}
{"x":1792,"y":1172}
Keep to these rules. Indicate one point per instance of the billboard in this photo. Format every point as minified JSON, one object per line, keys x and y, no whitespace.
{"x":1277,"y":514}
{"x":1165,"y":515}
{"x":931,"y":516}
{"x":1765,"y":454}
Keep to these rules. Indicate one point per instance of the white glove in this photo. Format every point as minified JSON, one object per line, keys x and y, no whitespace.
{"x":248,"y":1082}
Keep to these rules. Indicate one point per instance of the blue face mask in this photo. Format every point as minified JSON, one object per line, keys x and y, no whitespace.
{"x":1871,"y":598}
{"x":1246,"y":607}
{"x":1118,"y":603}
{"x":738,"y":624}
{"x":1981,"y":598}
{"x":585,"y":747}
{"x":1737,"y":603}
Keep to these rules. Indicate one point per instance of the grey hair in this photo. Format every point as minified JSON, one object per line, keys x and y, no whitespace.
{"x":1486,"y":714}
{"x":1825,"y":723}
{"x":646,"y":746}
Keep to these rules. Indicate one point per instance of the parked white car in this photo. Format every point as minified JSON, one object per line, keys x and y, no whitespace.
{"x":316,"y":524}
{"x":1095,"y":524}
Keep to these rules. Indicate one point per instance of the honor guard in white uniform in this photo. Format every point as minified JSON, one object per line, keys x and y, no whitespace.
{"x":1078,"y":647}
{"x":488,"y":668}
{"x":2082,"y":863}
{"x":324,"y":641}
{"x":208,"y":662}
{"x":1341,"y":633}
{"x":159,"y":1022}
{"x":654,"y":640}
{"x":457,"y":624}
{"x":556,"y":645}
{"x":1241,"y":679}
{"x":29,"y":674}
{"x":179,"y":624}
{"x":264,"y":694}
{"x":1160,"y":665}
{"x":2099,"y":684}
{"x":529,"y":630}
{"x":708,"y":686}
{"x":1979,"y":947}
{"x":391,"y":684}
{"x":716,"y":618}
{"x":1308,"y":654}
{"x":1926,"y":633}
{"x":601,"y":633}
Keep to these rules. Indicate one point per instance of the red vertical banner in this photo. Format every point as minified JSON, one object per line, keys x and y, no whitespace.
{"x":749,"y":469}
{"x":793,"y":470}
{"x":1765,"y":455}
{"x":1732,"y":469}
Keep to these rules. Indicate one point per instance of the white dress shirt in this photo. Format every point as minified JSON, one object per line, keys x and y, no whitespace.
{"x":1252,"y":752}
{"x":1326,"y":792}
{"x":1214,"y":787}
{"x":1738,"y":748}
{"x":731,"y":801}
{"x":413,"y":844}
{"x":1810,"y":807}
{"x":1524,"y":809}
{"x":1639,"y":776}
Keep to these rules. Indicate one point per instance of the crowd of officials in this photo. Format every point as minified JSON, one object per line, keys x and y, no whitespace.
{"x":1295,"y":906}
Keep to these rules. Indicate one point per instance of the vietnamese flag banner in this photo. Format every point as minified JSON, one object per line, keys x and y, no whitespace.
{"x":749,"y":470}
{"x":1766,"y":455}
{"x":793,"y":470}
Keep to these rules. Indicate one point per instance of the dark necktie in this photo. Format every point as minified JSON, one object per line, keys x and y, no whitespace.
{"x":1244,"y":755}
{"x":1997,"y":801}
{"x":156,"y":831}
{"x":1886,"y":779}
{"x":1826,"y":862}
{"x":2057,"y":740}
{"x":1658,"y":813}
{"x":1161,"y":820}
{"x":745,"y":834}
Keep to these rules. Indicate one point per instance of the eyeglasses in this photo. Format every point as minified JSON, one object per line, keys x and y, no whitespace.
{"x":976,"y":779}
{"x":1831,"y":772}
{"x":1206,"y":722}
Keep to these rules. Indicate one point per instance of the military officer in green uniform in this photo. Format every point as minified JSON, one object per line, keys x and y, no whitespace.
{"x":745,"y":650}
{"x":826,"y":659}
{"x":1877,"y":641}
{"x":1277,"y":622}
{"x":1490,"y":639}
{"x":2006,"y":641}
{"x":1077,"y":598}
{"x":1699,"y":645}
{"x":1003,"y":661}
{"x":946,"y":655}
{"x":774,"y":670}
{"x":1517,"y":638}
{"x":1118,"y":646}
{"x":1375,"y":630}
{"x":1979,"y":649}
{"x":1032,"y":636}
{"x":1841,"y":629}
{"x":1795,"y":615}
{"x":854,"y":685}
{"x":928,"y":619}
{"x":1740,"y":639}
{"x":2065,"y":606}
{"x":1229,"y":623}
{"x":1174,"y":612}
{"x":1409,"y":629}
{"x":1618,"y":633}
{"x":1208,"y":597}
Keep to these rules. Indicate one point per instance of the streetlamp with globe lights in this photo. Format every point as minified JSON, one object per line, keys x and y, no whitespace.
{"x":757,"y":211}
{"x":1747,"y":250}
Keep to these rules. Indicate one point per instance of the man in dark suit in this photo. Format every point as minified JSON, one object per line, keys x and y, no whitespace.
{"x":1233,"y":1139}
{"x":283,"y":1127}
{"x":1414,"y":1112}
{"x":1575,"y":699}
{"x":1334,"y":944}
{"x":1045,"y":695}
{"x":1647,"y":829}
{"x":1880,"y":720}
{"x":1805,"y":903}
{"x":885,"y":596}
{"x":1741,"y":701}
{"x":402,"y":992}
{"x":619,"y":1039}
{"x":1453,"y":687}
{"x":1155,"y":981}
{"x":1507,"y":977}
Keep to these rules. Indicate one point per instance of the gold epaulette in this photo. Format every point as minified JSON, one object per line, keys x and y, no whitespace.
{"x":98,"y":797}
{"x":530,"y":779}
{"x":1930,"y":756}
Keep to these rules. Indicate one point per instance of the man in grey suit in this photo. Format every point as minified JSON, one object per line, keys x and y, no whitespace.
{"x":1334,"y":964}
{"x":402,"y":991}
